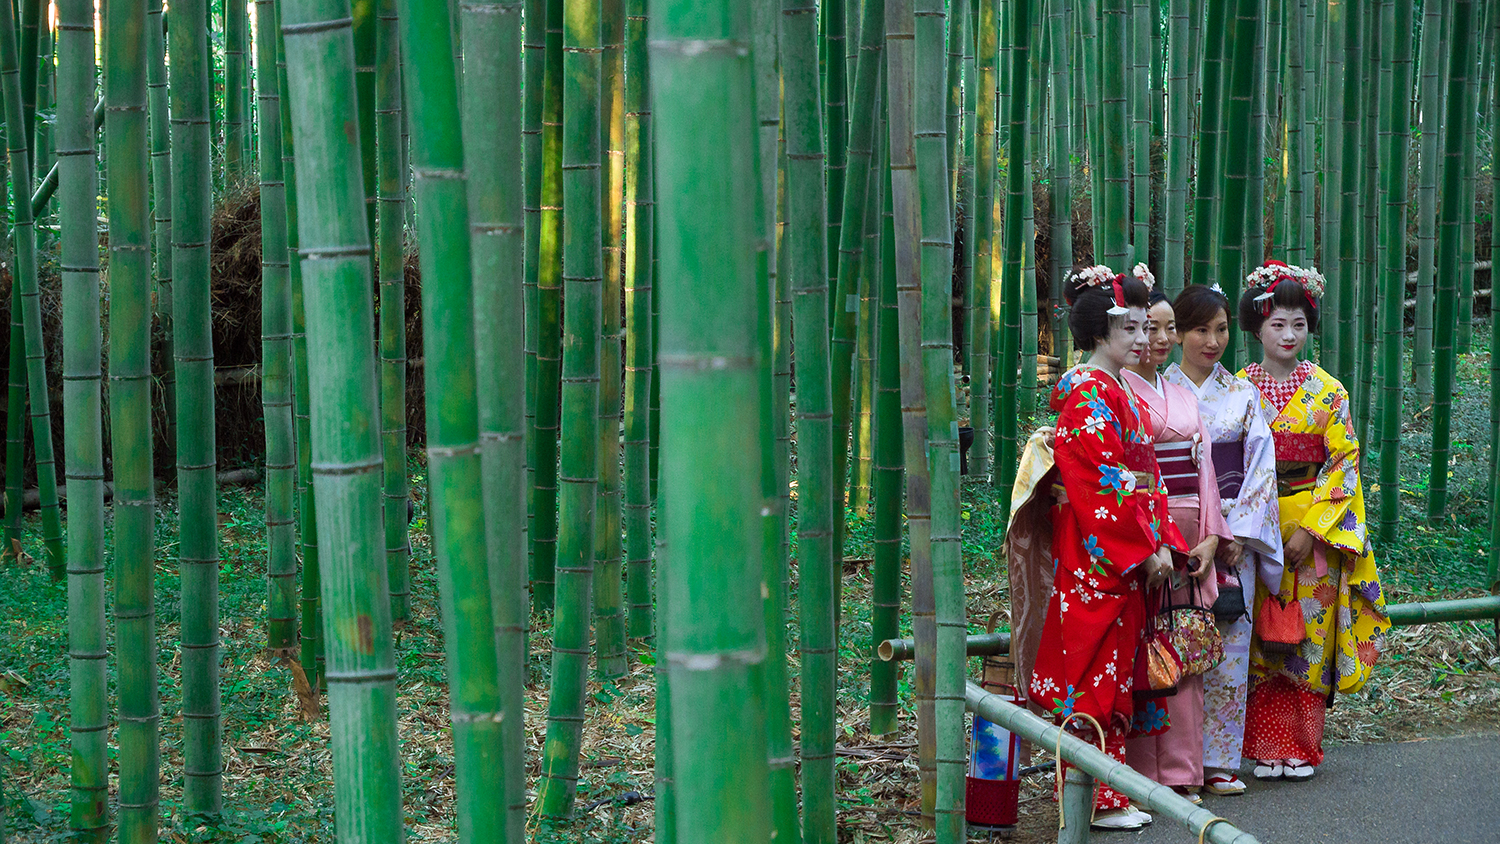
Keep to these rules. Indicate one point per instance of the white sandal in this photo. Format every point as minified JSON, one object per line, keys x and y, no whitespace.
{"x":1269,"y":769}
{"x":1224,"y":784}
{"x":1118,"y":819}
{"x":1298,"y":770}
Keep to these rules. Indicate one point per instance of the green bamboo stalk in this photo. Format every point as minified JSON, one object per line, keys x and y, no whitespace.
{"x":819,"y":490}
{"x":535,"y":62}
{"x":24,"y":276}
{"x":1463,"y":341}
{"x":236,"y":108}
{"x":366,"y":26}
{"x":1206,"y":201}
{"x":312,"y":656}
{"x":836,"y":95}
{"x":1299,"y":141}
{"x":15,"y":422}
{"x":41,"y":148}
{"x":128,"y":62}
{"x":1086,"y":15}
{"x":1431,"y":105}
{"x":582,"y":271}
{"x":335,"y":244}
{"x":1061,"y":186}
{"x":1255,"y":202}
{"x":1396,"y":117}
{"x":714,"y":650}
{"x":640,"y":203}
{"x":609,"y":598}
{"x":958,"y":28}
{"x":885,"y":586}
{"x":1376,"y":72}
{"x":1113,"y":241}
{"x":276,"y":353}
{"x":83,"y":436}
{"x":1493,"y":574}
{"x":1138,"y":52}
{"x":844,"y":308}
{"x":861,"y":431}
{"x":1346,"y":287}
{"x":983,"y":235}
{"x":1030,"y":335}
{"x":549,"y":314}
{"x":945,"y":576}
{"x":161,"y":210}
{"x":1008,"y":406}
{"x":1179,"y":143}
{"x":491,"y":144}
{"x":391,"y":264}
{"x":967,"y":188}
{"x":1459,"y":111}
{"x":1240,"y":204}
{"x":198,"y":550}
{"x":30,"y":12}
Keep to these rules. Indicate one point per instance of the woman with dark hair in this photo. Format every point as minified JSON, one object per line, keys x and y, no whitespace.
{"x":1244,"y":459}
{"x":1330,"y":573}
{"x":1078,"y":614}
{"x":1166,"y":742}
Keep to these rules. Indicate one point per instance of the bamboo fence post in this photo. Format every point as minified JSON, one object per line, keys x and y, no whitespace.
{"x":128,"y":64}
{"x":343,"y":410}
{"x":710,"y":394}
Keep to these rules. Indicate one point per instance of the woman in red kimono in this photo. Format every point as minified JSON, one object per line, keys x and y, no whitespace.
{"x":1111,"y":533}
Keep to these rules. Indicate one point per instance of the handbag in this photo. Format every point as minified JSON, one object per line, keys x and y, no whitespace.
{"x":1230,"y":605}
{"x":1158,"y":668}
{"x":1279,"y":624}
{"x":1193,"y":633}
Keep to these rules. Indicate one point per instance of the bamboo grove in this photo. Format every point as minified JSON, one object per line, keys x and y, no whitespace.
{"x":698,"y":279}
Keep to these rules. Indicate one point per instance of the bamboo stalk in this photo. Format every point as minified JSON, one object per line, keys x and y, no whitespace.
{"x":361,"y":668}
{"x":1240,"y":203}
{"x":1138,"y":50}
{"x":15,"y":418}
{"x":1492,"y":574}
{"x":582,"y":271}
{"x":1429,"y":158}
{"x":1300,"y":189}
{"x":981,"y":369}
{"x":640,"y":203}
{"x":391,"y":264}
{"x":1009,"y":406}
{"x":1179,"y":143}
{"x":29,"y":301}
{"x":83,"y":437}
{"x":1061,"y":186}
{"x":1459,"y":111}
{"x":276,"y":352}
{"x":1395,"y":113}
{"x":128,"y":64}
{"x":885,"y":587}
{"x":236,"y":108}
{"x":836,"y":116}
{"x":1206,"y":202}
{"x":819,"y":490}
{"x":1114,"y":238}
{"x":535,"y":62}
{"x":713,"y":649}
{"x":492,"y":142}
{"x":161,"y":185}
{"x":1346,"y":287}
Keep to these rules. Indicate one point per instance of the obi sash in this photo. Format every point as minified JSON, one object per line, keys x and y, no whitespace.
{"x":1298,"y":447}
{"x":1294,"y":476}
{"x":1229,"y":465}
{"x":1178,"y":471}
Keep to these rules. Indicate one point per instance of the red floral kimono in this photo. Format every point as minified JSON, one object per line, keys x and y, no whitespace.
{"x":1110,"y":515}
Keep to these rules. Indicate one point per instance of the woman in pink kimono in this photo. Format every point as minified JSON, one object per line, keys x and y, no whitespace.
{"x":1168,"y":733}
{"x":1244,"y":457}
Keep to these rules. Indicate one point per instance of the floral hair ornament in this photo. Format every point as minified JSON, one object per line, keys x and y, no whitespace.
{"x":1099,"y":275}
{"x":1274,"y":272}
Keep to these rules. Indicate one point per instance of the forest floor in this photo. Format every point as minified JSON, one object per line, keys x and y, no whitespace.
{"x":1437,"y":680}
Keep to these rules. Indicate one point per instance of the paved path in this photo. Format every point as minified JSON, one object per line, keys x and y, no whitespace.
{"x":1437,"y":791}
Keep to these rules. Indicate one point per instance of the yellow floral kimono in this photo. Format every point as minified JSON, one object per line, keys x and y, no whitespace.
{"x":1339,"y":589}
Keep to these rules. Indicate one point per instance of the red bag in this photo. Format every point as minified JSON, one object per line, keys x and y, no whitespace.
{"x":1158,"y":668}
{"x":1279,"y":623}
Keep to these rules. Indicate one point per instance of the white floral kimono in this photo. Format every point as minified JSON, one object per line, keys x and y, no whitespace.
{"x":1234,"y":416}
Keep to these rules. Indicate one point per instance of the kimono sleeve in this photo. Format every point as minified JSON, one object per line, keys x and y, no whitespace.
{"x":1255,"y":516}
{"x":1090,"y":451}
{"x":1337,"y":513}
{"x":1210,"y":509}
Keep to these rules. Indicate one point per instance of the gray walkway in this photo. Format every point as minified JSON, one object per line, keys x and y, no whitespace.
{"x":1439,"y":791}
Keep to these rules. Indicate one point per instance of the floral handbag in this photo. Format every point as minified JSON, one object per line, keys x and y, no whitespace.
{"x":1158,"y":668}
{"x":1191,"y":628}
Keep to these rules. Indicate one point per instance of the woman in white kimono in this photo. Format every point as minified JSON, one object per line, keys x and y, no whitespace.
{"x":1167,"y":734}
{"x":1244,"y":458}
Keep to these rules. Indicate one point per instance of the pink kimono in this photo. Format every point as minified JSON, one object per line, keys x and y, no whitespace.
{"x":1168,"y":742}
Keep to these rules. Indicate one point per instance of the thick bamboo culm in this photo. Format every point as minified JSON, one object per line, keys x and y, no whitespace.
{"x":492,"y":137}
{"x":127,"y":63}
{"x":198,"y":549}
{"x":711,"y":360}
{"x":276,"y":353}
{"x":1395,"y":133}
{"x":1430,"y":92}
{"x":534,"y":47}
{"x":885,"y":587}
{"x":237,"y":120}
{"x":83,"y":434}
{"x":343,"y":417}
{"x":161,"y":185}
{"x":1206,"y":200}
{"x":578,"y":475}
{"x":1061,"y":184}
{"x":982,"y":235}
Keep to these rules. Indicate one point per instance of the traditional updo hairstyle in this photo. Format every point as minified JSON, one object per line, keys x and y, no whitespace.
{"x":1092,"y":292}
{"x":1196,"y":306}
{"x":1277,"y":285}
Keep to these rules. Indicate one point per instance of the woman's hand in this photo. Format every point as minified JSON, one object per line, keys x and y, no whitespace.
{"x":1049,"y":435}
{"x":1201,"y":558}
{"x":1298,"y":546}
{"x":1158,"y":565}
{"x":1231,"y":552}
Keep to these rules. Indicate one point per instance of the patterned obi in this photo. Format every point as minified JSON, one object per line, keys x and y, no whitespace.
{"x":1145,"y":483}
{"x":1178,"y":471}
{"x":1294,"y":476}
{"x":1302,"y":448}
{"x":1229,"y":464}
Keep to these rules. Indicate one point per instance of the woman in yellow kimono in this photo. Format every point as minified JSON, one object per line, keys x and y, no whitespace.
{"x":1330,"y":572}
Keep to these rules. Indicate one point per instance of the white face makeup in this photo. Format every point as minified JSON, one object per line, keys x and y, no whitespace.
{"x":1161,"y":333}
{"x":1204,"y":344}
{"x":1283,"y":335}
{"x":1126,"y":343}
